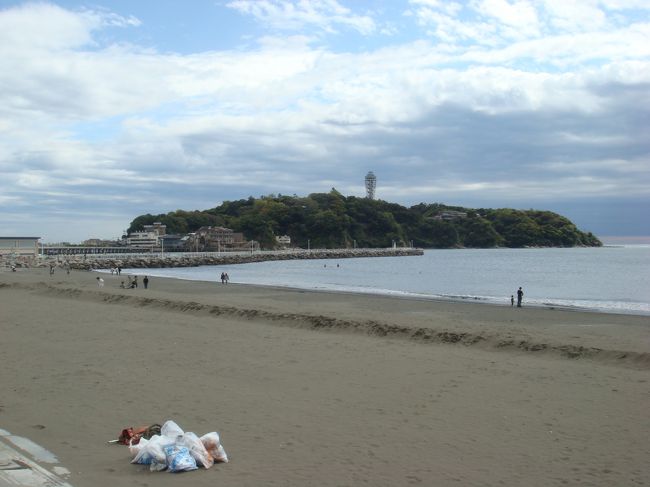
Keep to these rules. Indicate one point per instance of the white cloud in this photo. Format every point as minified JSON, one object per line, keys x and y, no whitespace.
{"x":44,"y":26}
{"x":298,"y":14}
{"x":518,"y":19}
{"x":575,"y":15}
{"x":483,"y":114}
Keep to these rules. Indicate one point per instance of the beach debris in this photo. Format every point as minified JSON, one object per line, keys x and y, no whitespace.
{"x":174,"y":450}
{"x":212,"y":444}
{"x":179,"y":458}
{"x":131,"y":436}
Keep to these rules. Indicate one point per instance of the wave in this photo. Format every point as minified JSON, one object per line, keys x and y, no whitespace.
{"x":600,"y":306}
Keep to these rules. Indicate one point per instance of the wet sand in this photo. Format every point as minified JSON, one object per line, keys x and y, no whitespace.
{"x":323,"y":389}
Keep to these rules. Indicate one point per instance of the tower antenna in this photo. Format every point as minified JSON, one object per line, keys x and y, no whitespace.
{"x":371,"y":184}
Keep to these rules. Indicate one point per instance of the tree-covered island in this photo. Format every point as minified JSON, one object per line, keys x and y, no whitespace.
{"x":331,"y":220}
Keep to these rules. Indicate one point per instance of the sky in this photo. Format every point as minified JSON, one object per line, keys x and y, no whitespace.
{"x":114,"y":109}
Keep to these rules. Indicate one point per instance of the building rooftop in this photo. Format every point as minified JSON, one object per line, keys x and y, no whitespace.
{"x":20,"y":238}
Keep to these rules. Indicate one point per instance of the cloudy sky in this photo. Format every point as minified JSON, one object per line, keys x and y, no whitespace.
{"x":114,"y":108}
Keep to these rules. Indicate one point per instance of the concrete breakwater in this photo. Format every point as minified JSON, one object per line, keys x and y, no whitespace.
{"x":188,"y":260}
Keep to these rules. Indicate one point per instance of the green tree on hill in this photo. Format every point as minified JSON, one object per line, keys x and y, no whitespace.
{"x":331,"y":220}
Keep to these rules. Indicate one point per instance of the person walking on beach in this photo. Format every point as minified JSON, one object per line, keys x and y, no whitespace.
{"x":145,"y":281}
{"x":135,"y":281}
{"x":223,"y":278}
{"x":512,"y":300}
{"x":100,"y":282}
{"x":520,"y":297}
{"x":226,"y":277}
{"x":51,"y":269}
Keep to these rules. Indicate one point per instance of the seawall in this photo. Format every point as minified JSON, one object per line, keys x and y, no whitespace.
{"x":189,"y":260}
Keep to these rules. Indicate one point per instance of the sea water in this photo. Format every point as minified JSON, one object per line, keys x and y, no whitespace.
{"x":608,"y":279}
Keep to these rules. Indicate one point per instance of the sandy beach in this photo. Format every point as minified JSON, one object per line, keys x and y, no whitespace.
{"x":323,"y":389}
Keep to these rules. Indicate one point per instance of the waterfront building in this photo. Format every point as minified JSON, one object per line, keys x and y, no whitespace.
{"x":283,"y":241}
{"x":210,"y":238}
{"x":171,"y":243}
{"x":19,"y":246}
{"x":450,"y":215}
{"x":143,"y":240}
{"x":156,"y":227}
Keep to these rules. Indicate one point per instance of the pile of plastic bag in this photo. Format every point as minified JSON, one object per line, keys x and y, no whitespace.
{"x":177,"y":451}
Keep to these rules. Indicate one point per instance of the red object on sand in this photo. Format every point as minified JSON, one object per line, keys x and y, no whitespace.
{"x":131,"y":436}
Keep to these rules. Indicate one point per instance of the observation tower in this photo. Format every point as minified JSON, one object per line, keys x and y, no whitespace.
{"x":371,"y":184}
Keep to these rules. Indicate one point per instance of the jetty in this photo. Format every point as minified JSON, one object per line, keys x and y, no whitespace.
{"x":194,"y":259}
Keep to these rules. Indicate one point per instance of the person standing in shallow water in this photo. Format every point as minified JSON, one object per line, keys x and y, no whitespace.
{"x":520,"y":297}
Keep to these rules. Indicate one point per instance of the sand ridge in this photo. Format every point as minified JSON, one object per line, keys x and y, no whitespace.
{"x":494,"y":341}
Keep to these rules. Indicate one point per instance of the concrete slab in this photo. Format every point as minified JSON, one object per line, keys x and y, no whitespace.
{"x":18,"y":470}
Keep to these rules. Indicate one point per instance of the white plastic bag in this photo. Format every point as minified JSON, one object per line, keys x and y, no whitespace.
{"x":212,"y":443}
{"x":151,"y":452}
{"x":197,"y":450}
{"x":135,"y":449}
{"x":171,"y":429}
{"x":179,"y":458}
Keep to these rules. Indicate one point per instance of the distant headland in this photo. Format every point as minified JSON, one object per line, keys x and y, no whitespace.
{"x":332,"y":220}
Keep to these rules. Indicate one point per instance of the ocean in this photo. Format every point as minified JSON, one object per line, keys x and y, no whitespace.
{"x":607,"y":279}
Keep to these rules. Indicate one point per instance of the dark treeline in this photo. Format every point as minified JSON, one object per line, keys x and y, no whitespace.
{"x":331,"y":220}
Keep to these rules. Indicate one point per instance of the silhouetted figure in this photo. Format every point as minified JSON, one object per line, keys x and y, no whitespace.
{"x":520,"y":297}
{"x":512,"y":300}
{"x":145,"y":281}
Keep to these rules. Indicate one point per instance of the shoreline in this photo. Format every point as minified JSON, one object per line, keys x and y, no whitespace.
{"x":411,"y":295}
{"x":317,"y":388}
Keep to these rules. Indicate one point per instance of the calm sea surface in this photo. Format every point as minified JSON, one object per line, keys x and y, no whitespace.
{"x":611,"y":279}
